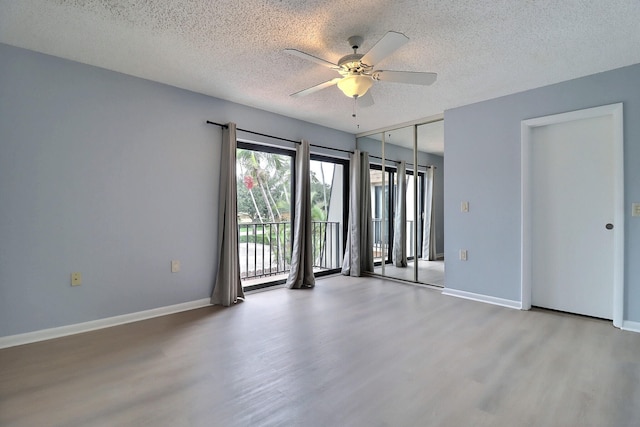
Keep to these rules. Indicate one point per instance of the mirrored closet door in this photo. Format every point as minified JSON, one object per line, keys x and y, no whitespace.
{"x":406,"y":201}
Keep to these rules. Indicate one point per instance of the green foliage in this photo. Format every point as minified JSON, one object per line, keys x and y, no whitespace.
{"x":270,"y":195}
{"x":264,"y":193}
{"x":317,"y":213}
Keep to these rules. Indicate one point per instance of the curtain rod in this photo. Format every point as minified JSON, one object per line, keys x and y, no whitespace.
{"x":298,"y":142}
{"x":254,"y":133}
{"x":397,"y":161}
{"x":279,"y":138}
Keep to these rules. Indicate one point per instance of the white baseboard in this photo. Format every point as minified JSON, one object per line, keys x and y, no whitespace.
{"x":628,"y":325}
{"x":61,"y":331}
{"x":483,"y":298}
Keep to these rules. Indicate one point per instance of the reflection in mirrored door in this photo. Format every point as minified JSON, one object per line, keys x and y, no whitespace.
{"x":380,"y":210}
{"x":431,"y":261}
{"x":407,"y":202}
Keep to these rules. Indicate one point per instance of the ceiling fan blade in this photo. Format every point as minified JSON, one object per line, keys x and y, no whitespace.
{"x":311,"y":58}
{"x":316,"y":88}
{"x":410,"y":77}
{"x":385,"y":47}
{"x":365,"y":100}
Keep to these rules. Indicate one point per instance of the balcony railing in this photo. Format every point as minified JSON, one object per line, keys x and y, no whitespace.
{"x":380,"y":248}
{"x":327,"y":245}
{"x":265,"y":248}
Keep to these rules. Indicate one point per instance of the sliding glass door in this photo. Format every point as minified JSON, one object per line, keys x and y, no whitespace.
{"x":329,"y":188}
{"x":265,"y":198}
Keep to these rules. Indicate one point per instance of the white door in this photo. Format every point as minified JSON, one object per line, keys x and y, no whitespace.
{"x":572,"y":201}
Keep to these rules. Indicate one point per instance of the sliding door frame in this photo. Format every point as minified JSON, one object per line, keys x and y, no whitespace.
{"x":270,"y":149}
{"x":345,"y":203}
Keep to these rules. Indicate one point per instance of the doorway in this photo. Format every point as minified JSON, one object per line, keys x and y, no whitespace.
{"x":573,"y":212}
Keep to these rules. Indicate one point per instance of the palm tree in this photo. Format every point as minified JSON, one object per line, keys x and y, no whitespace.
{"x":324,"y":191}
{"x":249,"y":185}
{"x":263,"y":168}
{"x":250,"y":161}
{"x":271,"y":174}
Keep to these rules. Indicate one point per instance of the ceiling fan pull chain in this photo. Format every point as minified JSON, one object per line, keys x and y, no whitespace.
{"x":355,"y":104}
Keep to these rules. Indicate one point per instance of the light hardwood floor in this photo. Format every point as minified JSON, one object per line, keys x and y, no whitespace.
{"x":351,"y":352}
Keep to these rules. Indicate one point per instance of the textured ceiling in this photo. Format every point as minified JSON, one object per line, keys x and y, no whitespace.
{"x":234,"y":49}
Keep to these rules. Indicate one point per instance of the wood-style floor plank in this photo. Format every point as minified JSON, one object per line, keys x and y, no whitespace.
{"x":351,"y":352}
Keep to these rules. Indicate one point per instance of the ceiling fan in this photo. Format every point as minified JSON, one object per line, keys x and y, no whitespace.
{"x":357,"y":70}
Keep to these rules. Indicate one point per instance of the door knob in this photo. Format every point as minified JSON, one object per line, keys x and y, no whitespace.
{"x":609,"y":226}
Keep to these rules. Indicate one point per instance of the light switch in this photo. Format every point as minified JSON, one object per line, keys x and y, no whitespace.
{"x":635,"y":209}
{"x":464,"y":207}
{"x":463,"y":254}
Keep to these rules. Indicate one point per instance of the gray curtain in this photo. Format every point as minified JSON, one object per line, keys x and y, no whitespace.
{"x":358,"y":254}
{"x":227,"y":288}
{"x":301,"y":274}
{"x":400,"y":218}
{"x":429,"y":226}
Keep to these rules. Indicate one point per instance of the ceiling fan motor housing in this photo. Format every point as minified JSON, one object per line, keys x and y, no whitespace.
{"x":350,"y":64}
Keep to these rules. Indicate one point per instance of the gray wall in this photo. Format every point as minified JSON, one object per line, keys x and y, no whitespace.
{"x":395,"y":152}
{"x":482,"y":158}
{"x":112,"y":176}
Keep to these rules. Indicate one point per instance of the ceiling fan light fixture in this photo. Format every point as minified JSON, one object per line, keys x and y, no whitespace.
{"x":355,"y":85}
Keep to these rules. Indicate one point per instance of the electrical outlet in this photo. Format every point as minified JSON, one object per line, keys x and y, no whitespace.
{"x":464,"y":207}
{"x":463,"y":254}
{"x":635,"y":209}
{"x":175,"y":266}
{"x":76,"y":279}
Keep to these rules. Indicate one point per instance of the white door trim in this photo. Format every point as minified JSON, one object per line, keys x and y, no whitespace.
{"x":615,"y":111}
